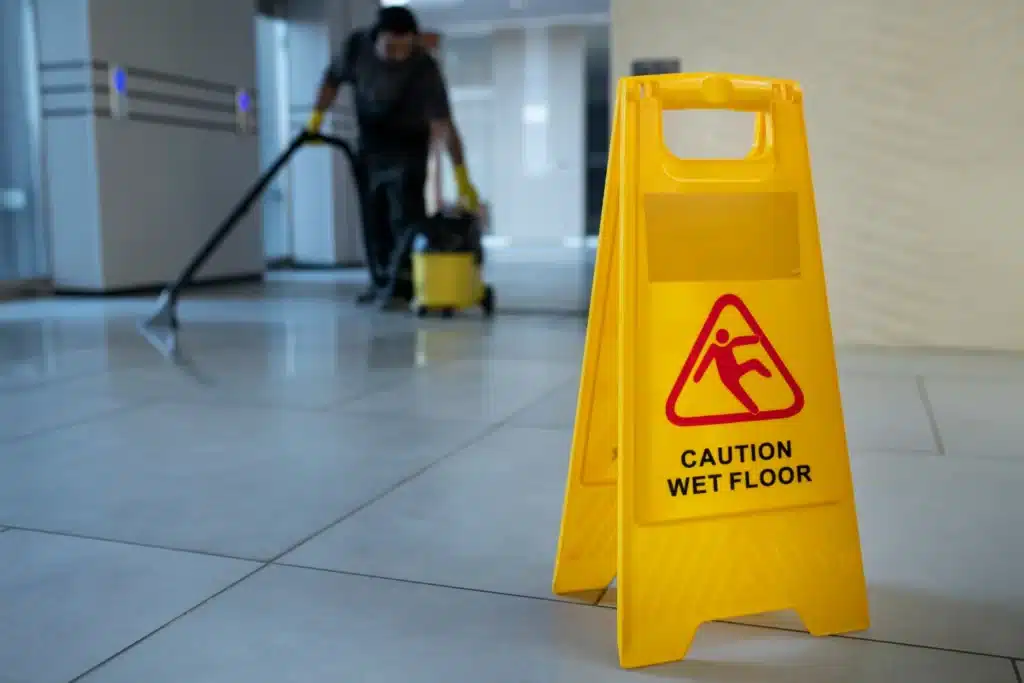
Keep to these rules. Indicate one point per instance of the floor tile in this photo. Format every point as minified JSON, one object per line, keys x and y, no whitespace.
{"x":264,"y":371}
{"x":245,"y":482}
{"x":558,"y":340}
{"x":978,"y":418}
{"x":508,"y":338}
{"x":299,"y":625}
{"x":38,"y":409}
{"x":485,"y":519}
{"x":885,"y":414}
{"x":931,"y":363}
{"x":70,"y":603}
{"x":489,"y":390}
{"x":254,"y":385}
{"x":294,"y":407}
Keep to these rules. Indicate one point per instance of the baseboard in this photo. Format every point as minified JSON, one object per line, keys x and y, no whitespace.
{"x":25,"y":289}
{"x":157,"y":287}
{"x":280,"y":263}
{"x":292,"y":264}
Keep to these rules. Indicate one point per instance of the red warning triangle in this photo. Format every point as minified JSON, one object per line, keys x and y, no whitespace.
{"x":717,"y":360}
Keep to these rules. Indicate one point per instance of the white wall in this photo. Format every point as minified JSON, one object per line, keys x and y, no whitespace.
{"x":914,"y":115}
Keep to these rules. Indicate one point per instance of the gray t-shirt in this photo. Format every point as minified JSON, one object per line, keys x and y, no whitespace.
{"x":395,"y":101}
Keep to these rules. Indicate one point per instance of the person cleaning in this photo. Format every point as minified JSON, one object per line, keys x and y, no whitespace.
{"x":402,"y":110}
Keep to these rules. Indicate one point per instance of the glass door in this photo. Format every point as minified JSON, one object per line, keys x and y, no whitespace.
{"x":272,"y":75}
{"x":23,"y":247}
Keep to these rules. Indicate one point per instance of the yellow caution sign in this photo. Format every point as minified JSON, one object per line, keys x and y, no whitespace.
{"x":587,"y":542}
{"x":709,"y":448}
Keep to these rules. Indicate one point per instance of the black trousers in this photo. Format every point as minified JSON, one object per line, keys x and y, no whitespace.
{"x":393,"y":206}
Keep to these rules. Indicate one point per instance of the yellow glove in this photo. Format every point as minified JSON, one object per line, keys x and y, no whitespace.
{"x":468,"y":196}
{"x":316,"y":120}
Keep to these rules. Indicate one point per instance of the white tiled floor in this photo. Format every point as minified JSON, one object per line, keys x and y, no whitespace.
{"x":320,"y":493}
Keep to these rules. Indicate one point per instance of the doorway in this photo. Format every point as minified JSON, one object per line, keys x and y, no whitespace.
{"x":24,"y":253}
{"x":272,"y":101}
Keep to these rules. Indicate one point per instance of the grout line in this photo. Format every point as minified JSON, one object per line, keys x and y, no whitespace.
{"x":415,"y":475}
{"x":101,"y":416}
{"x":149,"y":635}
{"x":51,"y":380}
{"x":930,"y":412}
{"x":78,"y":375}
{"x":543,"y":397}
{"x":1016,"y":670}
{"x":236,"y":402}
{"x":232,"y":397}
{"x":133,"y":544}
{"x":931,"y":452}
{"x":848,"y":636}
{"x":879,"y":641}
{"x":346,"y":404}
{"x":273,"y":561}
{"x":942,"y":352}
{"x":432,"y":584}
{"x":564,"y":429}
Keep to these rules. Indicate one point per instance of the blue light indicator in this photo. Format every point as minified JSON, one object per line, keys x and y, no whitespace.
{"x":120,"y":80}
{"x":243,"y":101}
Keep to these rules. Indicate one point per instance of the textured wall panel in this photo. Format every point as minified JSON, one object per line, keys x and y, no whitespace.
{"x":915,"y":112}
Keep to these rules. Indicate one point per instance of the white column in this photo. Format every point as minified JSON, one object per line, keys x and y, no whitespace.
{"x":67,"y":103}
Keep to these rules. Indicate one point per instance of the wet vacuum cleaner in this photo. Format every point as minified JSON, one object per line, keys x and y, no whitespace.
{"x":447,"y":262}
{"x":166,"y":314}
{"x":446,"y":266}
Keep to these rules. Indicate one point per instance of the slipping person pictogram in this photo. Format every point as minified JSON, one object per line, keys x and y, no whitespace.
{"x":722,"y":352}
{"x":715,"y":345}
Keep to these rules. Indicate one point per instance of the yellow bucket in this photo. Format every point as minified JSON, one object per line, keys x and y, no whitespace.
{"x":448,"y":282}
